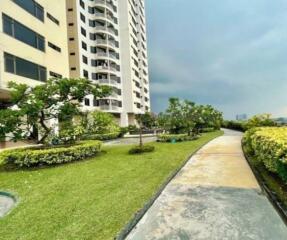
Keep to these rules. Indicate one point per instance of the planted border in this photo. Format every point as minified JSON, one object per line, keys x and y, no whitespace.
{"x":30,"y":157}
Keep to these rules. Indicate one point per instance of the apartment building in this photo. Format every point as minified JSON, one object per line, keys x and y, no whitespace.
{"x":33,"y":43}
{"x":133,"y":45}
{"x":102,"y":40}
{"x":107,"y":44}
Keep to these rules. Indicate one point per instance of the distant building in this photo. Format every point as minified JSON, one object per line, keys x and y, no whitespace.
{"x":241,"y":117}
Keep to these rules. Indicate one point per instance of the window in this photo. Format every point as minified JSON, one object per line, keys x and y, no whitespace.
{"x":53,"y":19}
{"x":84,"y":45}
{"x":71,"y":39}
{"x":83,"y":18}
{"x":86,"y":74}
{"x":22,"y":33}
{"x":83,"y":32}
{"x":85,"y":60}
{"x":32,"y":7}
{"x":92,"y":23}
{"x":55,"y":75}
{"x":92,"y":36}
{"x":51,"y":45}
{"x":87,"y":102}
{"x":73,"y":69}
{"x":70,"y":9}
{"x":93,"y":50}
{"x":71,"y":24}
{"x":91,"y":10}
{"x":72,"y":54}
{"x":82,"y":4}
{"x":24,"y":68}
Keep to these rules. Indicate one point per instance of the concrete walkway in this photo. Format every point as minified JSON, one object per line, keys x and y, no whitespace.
{"x":214,"y":197}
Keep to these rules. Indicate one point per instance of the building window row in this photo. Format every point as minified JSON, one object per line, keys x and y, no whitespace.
{"x":22,"y":33}
{"x":53,"y":46}
{"x":32,"y":7}
{"x":53,"y":19}
{"x":24,"y":68}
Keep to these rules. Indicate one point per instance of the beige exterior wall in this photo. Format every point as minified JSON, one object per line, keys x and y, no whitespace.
{"x":57,"y":34}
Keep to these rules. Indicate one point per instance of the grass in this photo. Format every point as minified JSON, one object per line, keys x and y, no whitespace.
{"x":92,"y":199}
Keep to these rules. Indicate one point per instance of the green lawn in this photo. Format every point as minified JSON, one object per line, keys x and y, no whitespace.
{"x":92,"y":199}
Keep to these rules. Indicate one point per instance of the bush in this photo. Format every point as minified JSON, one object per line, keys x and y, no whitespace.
{"x":102,"y":137}
{"x":235,"y":125}
{"x":123,"y":131}
{"x":175,"y":137}
{"x":29,"y":157}
{"x":205,"y":130}
{"x":101,"y":123}
{"x":140,"y":150}
{"x":269,"y":146}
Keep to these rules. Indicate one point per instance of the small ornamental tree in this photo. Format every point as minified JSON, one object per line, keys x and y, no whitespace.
{"x":10,"y":123}
{"x":55,"y":99}
{"x":102,"y":123}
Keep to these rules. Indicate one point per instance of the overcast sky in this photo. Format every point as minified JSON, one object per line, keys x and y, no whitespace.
{"x":228,"y":53}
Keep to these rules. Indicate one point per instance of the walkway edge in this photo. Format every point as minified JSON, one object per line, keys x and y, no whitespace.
{"x":139,"y":215}
{"x":271,"y":197}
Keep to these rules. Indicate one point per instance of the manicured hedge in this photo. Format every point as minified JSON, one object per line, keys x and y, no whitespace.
{"x":143,"y":149}
{"x":269,"y":146}
{"x":235,"y":125}
{"x":101,"y":137}
{"x":206,"y":130}
{"x":175,"y":137}
{"x":29,"y":157}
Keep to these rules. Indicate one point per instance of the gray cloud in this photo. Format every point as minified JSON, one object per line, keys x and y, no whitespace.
{"x":231,"y":54}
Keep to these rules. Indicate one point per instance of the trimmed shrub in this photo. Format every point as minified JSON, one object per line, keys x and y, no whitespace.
{"x":235,"y":125}
{"x":269,"y":146}
{"x":102,"y":137}
{"x":140,"y":150}
{"x":175,"y":137}
{"x":205,"y":130}
{"x":29,"y":157}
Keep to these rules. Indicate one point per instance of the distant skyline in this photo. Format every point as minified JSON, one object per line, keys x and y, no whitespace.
{"x":231,"y":54}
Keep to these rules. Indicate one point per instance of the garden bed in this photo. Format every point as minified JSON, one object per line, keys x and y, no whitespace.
{"x":45,"y":155}
{"x":176,"y":138}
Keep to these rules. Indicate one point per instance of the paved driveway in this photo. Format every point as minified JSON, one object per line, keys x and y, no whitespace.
{"x":214,"y":197}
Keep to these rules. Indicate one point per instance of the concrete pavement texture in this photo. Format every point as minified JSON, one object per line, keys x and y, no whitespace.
{"x":214,"y":197}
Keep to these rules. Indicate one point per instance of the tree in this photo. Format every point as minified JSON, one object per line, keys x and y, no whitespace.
{"x":55,"y":99}
{"x":10,"y":123}
{"x":102,"y":123}
{"x":260,"y":120}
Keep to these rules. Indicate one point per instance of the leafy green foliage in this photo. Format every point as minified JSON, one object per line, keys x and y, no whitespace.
{"x":187,"y":117}
{"x":175,"y":137}
{"x":30,"y":157}
{"x":102,"y":123}
{"x":141,"y":149}
{"x":102,"y":137}
{"x":11,"y":122}
{"x":260,"y":120}
{"x":55,"y":99}
{"x":268,"y":144}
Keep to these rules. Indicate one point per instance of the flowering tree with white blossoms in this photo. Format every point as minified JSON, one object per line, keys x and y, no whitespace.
{"x":55,"y":99}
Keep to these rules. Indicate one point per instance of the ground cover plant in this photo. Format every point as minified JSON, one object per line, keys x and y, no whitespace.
{"x":90,"y":199}
{"x":269,"y":145}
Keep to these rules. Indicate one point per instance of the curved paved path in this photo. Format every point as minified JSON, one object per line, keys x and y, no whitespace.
{"x":214,"y":197}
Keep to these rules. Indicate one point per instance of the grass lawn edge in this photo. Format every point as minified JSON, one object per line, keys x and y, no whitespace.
{"x":139,"y":215}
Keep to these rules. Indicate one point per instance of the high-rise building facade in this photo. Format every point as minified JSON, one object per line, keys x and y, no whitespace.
{"x":107,"y":44}
{"x":102,"y":40}
{"x":133,"y":45}
{"x":33,"y":43}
